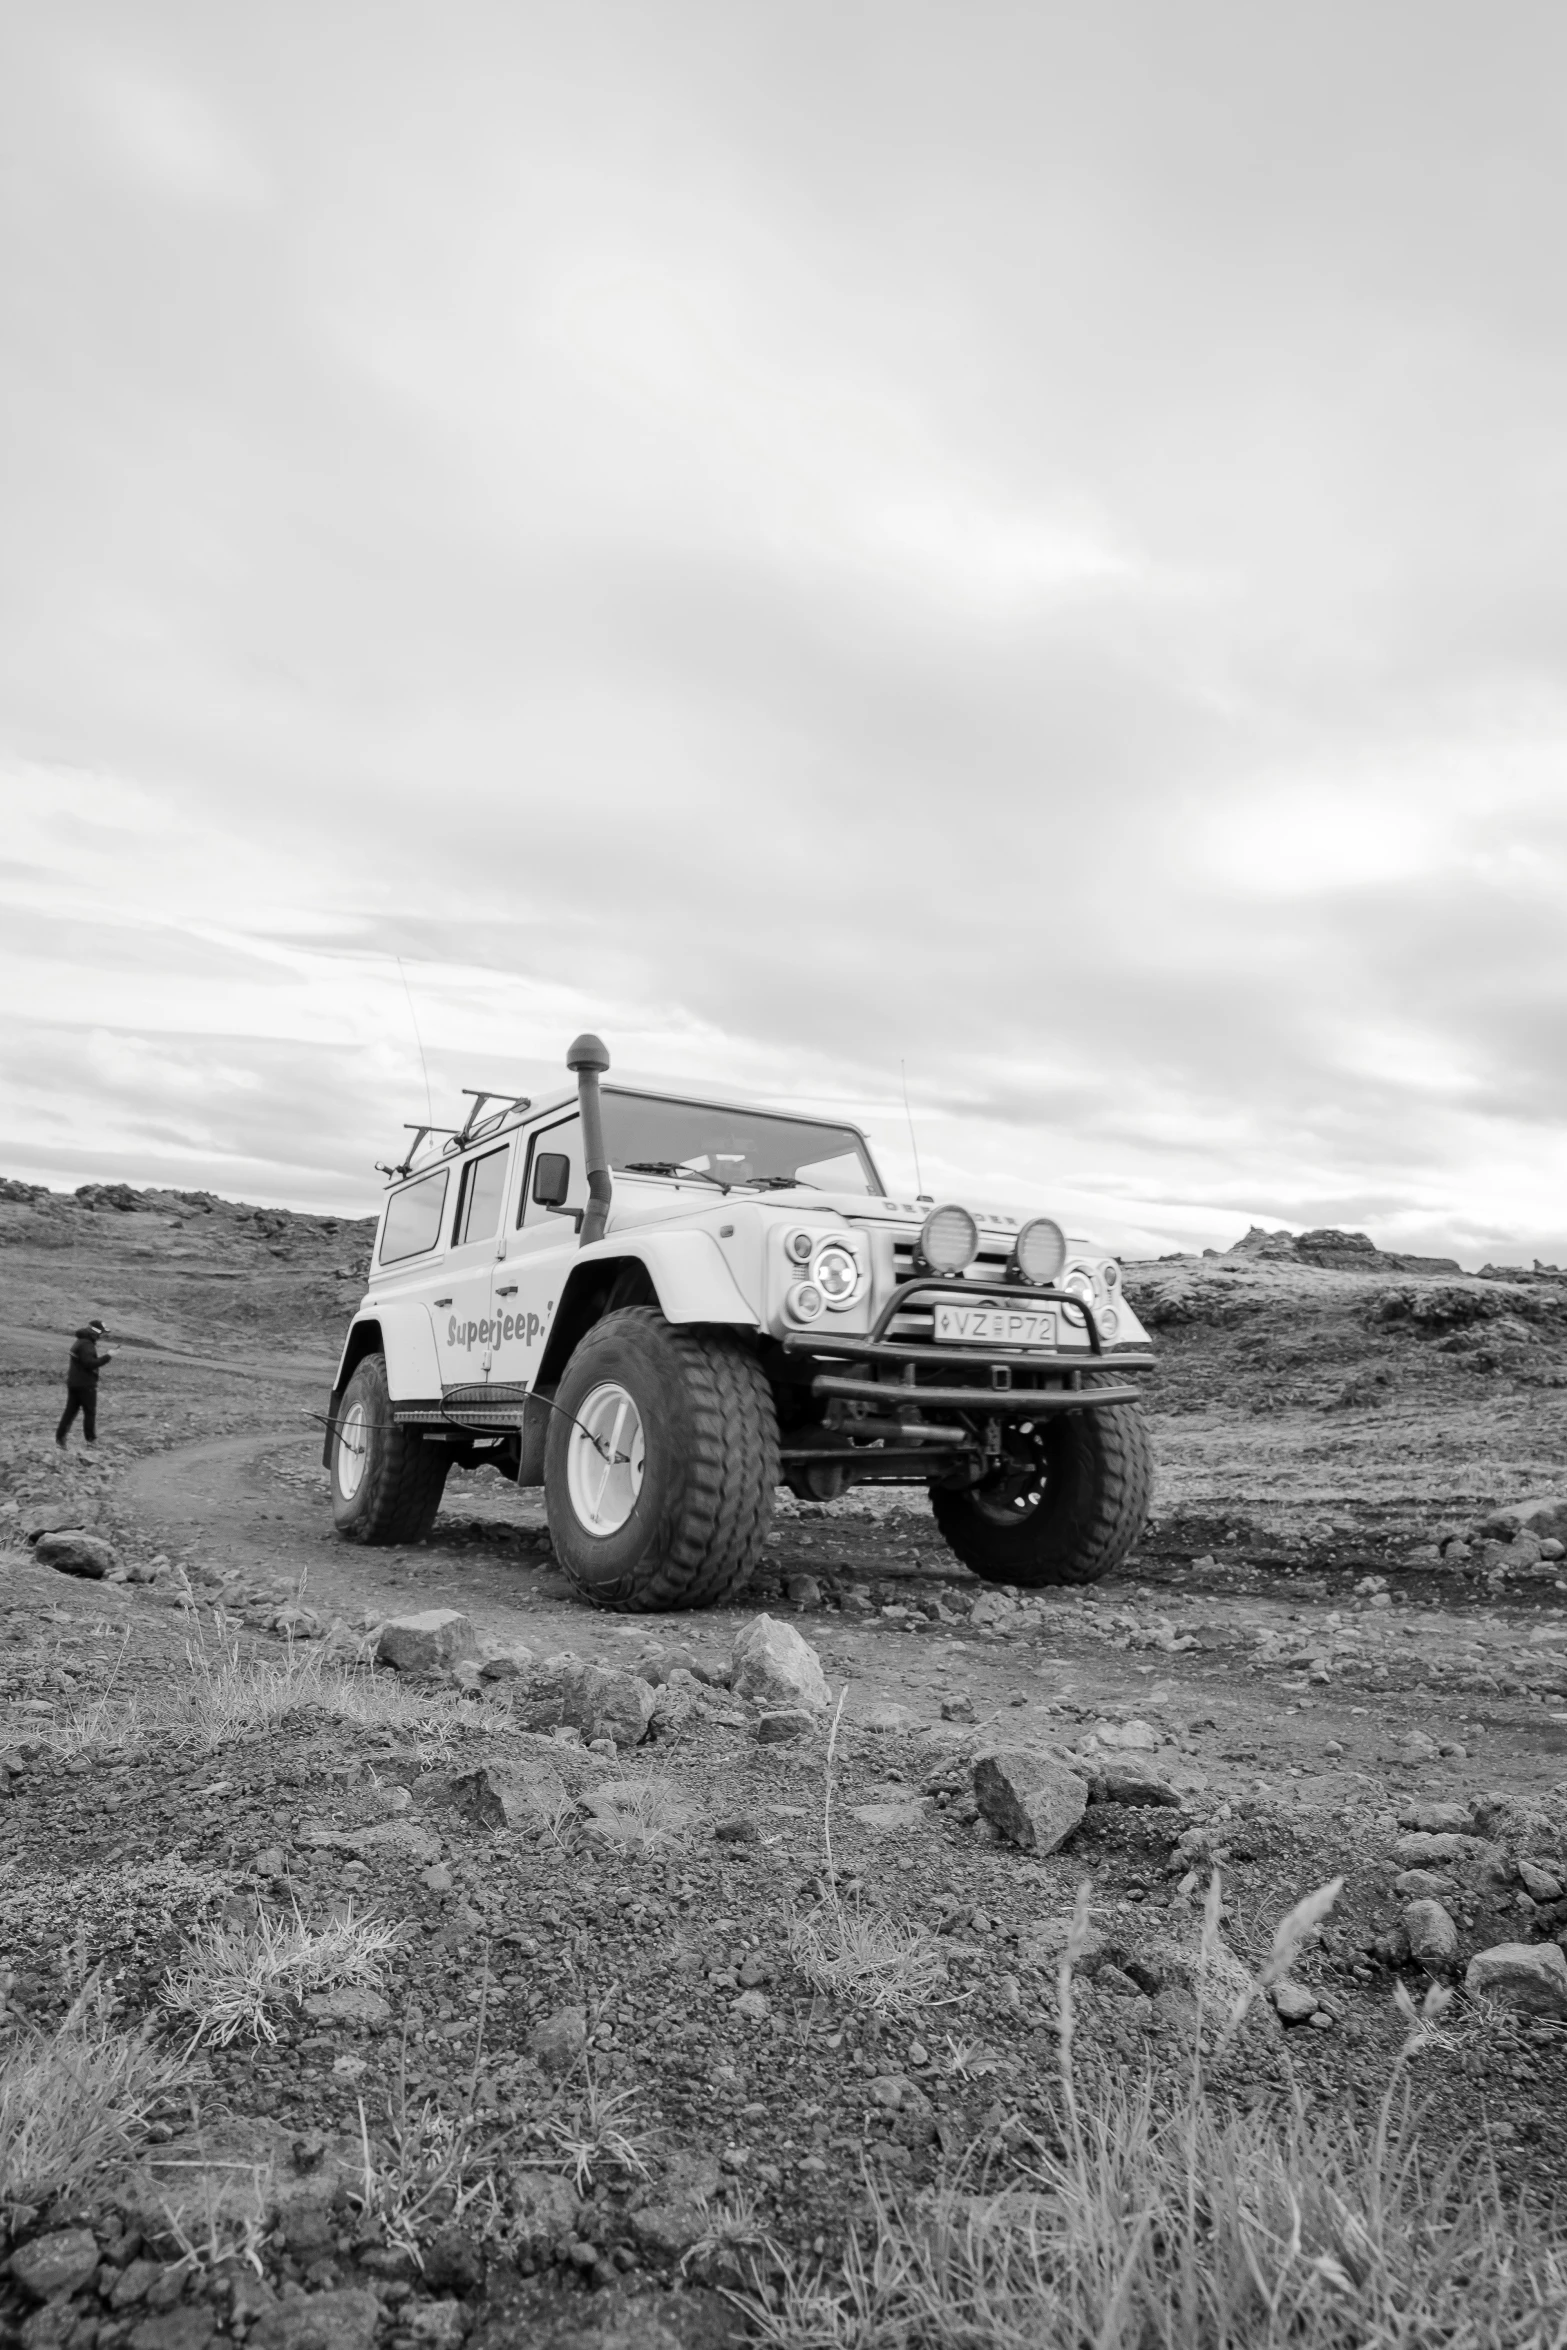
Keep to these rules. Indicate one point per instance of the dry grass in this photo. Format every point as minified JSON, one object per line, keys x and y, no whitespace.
{"x":76,"y":2099}
{"x":851,"y":1953}
{"x":226,"y":1696}
{"x":436,"y":2170}
{"x":1166,"y":2222}
{"x":234,"y":1974}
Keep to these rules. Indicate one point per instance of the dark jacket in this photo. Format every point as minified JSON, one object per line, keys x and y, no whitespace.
{"x":85,"y":1362}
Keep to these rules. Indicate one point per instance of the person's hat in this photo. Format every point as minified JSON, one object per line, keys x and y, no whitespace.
{"x":98,"y":1326}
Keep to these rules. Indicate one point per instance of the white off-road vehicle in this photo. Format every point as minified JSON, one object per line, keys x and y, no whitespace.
{"x":661,"y":1310}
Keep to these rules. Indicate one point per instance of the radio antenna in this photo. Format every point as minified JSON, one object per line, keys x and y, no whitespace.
{"x":919,"y":1180}
{"x":418,"y":1040}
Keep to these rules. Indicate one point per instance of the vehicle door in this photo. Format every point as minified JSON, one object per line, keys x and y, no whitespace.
{"x":462,"y":1314}
{"x":548,"y":1203}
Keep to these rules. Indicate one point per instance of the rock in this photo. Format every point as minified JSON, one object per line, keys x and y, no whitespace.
{"x":884,"y":1715}
{"x":1540,"y":1882}
{"x":1529,"y":1977}
{"x":341,"y":2320}
{"x":84,"y":1555}
{"x":887,"y":1818}
{"x":511,"y":1663}
{"x":525,"y":1794}
{"x":431,"y":1642}
{"x":56,"y":2264}
{"x":1421,"y":1885}
{"x":1128,"y":1737}
{"x":1293,"y":2003}
{"x":440,"y":2325}
{"x":556,"y":2044}
{"x":753,"y":2007}
{"x":1128,"y":1783}
{"x":187,"y":2328}
{"x":351,"y":2003}
{"x":802,"y":1591}
{"x":596,"y":1701}
{"x":544,"y":2216}
{"x":1544,"y":1515}
{"x":1029,"y":1796}
{"x":959,"y":1708}
{"x":1437,"y":1819}
{"x":771,"y":1661}
{"x":453,"y":2261}
{"x":1433,"y":1937}
{"x":1419,"y":1850}
{"x":777,"y":1729}
{"x":1413,"y":1746}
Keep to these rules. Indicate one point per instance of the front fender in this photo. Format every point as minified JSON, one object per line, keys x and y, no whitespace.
{"x":692,"y":1279}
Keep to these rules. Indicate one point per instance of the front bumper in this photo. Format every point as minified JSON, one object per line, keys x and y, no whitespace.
{"x":902,"y":1374}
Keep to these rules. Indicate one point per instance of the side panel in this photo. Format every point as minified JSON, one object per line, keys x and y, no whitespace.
{"x":413,"y":1366}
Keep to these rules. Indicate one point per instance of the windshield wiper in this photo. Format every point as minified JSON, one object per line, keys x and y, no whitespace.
{"x":668,"y":1167}
{"x":780,"y":1183}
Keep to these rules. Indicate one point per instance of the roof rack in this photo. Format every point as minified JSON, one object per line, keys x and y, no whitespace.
{"x":457,"y":1137}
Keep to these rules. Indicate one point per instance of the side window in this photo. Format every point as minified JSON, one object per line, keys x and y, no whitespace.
{"x":555,"y":1177}
{"x":413,"y":1218}
{"x":483,"y":1188}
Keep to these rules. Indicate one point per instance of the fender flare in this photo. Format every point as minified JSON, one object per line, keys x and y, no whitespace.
{"x":690,"y":1279}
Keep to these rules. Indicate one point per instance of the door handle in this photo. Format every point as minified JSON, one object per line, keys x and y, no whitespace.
{"x":506,"y":1289}
{"x":443,"y":1301}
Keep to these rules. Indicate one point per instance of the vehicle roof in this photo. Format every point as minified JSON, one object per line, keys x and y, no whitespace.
{"x":545,"y":1105}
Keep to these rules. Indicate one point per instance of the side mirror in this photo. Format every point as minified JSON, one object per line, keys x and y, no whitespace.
{"x":551,"y":1179}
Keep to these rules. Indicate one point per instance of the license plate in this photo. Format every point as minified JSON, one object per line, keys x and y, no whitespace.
{"x":995,"y":1325}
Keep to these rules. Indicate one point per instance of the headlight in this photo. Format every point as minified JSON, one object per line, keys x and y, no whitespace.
{"x":1112,"y":1275}
{"x":1109,"y":1322}
{"x":1040,"y":1250}
{"x":798,"y":1247}
{"x":1080,"y":1283}
{"x":836,"y":1273}
{"x":804,"y":1302}
{"x":949,"y":1239}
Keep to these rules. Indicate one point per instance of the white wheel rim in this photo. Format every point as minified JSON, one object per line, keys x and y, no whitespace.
{"x":604,"y":1460}
{"x":353,"y":1445}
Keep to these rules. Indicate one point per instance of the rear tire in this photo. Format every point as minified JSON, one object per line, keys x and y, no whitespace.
{"x":660,"y":1464}
{"x":1093,"y":1472}
{"x":386,"y":1481}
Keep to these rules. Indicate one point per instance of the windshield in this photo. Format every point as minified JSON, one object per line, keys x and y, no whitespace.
{"x":651,"y":1136}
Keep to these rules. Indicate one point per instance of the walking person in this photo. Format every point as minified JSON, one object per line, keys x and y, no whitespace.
{"x":81,"y":1383}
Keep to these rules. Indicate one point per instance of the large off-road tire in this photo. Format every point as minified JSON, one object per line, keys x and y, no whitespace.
{"x":386,"y":1480}
{"x":660,"y":1464}
{"x":1093,"y":1474}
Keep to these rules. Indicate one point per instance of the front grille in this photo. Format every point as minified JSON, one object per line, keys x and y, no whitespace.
{"x":919,"y":1322}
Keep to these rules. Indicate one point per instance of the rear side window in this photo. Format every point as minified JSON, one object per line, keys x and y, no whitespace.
{"x":483,"y":1185}
{"x":413,"y":1218}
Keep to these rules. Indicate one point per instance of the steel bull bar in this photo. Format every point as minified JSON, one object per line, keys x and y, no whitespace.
{"x":998,"y":1395}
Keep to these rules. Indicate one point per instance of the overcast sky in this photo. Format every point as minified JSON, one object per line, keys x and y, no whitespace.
{"x":1021,"y":540}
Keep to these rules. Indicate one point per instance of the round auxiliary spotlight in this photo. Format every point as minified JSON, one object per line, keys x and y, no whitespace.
{"x":804,"y":1301}
{"x":797,"y":1247}
{"x":949,"y":1239}
{"x":1040,"y":1251}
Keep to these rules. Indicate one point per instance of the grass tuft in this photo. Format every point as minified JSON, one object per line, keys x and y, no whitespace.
{"x":76,"y":2099}
{"x":234,"y":1975}
{"x":595,"y":2140}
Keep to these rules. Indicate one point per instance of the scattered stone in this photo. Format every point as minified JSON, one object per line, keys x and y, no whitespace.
{"x":436,"y":2325}
{"x":771,"y":1661}
{"x":186,"y":2328}
{"x":802,"y":1591}
{"x":1540,"y":1882}
{"x":431,"y":1642}
{"x":1433,"y":1937}
{"x":512,"y":1663}
{"x":1419,"y":1850}
{"x":524,"y":1794}
{"x":887,"y":1818}
{"x":1530,"y":1977}
{"x":350,"y":2003}
{"x":776,"y":1729}
{"x":884,"y":1715}
{"x":1129,"y":1783}
{"x":85,"y":1555}
{"x":594,"y":1700}
{"x":56,"y":2264}
{"x":1129,"y":1737}
{"x":753,"y":2007}
{"x":1437,"y":1819}
{"x":1422,"y":1885}
{"x":1543,"y":1515}
{"x":342,"y":2320}
{"x":1293,"y":2003}
{"x":740,"y":1829}
{"x":1413,"y":1746}
{"x":544,"y":2214}
{"x":959,"y":1708}
{"x":556,"y":2044}
{"x":1029,"y":1796}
